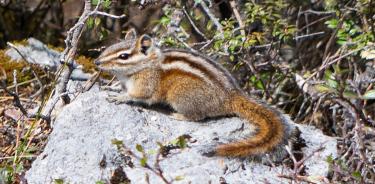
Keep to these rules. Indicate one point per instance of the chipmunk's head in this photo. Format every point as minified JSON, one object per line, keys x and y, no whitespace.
{"x":131,"y":55}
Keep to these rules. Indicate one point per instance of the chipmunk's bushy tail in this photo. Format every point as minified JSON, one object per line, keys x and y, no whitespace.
{"x":270,"y":128}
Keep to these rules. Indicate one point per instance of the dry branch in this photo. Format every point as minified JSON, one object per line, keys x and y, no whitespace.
{"x":68,"y":55}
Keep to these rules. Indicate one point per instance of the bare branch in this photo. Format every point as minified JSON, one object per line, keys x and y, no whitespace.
{"x":108,"y":15}
{"x":193,"y":24}
{"x":213,"y":18}
{"x":71,"y":42}
{"x":238,"y":17}
{"x":16,"y":99}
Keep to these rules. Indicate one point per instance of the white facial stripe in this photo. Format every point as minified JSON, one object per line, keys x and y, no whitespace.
{"x":115,"y":55}
{"x":108,"y":58}
{"x":180,"y":65}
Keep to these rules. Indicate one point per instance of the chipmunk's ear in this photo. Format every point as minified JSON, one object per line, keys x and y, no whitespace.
{"x":145,"y":44}
{"x":131,"y":35}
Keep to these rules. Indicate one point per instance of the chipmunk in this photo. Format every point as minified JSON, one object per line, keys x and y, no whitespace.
{"x":195,"y":86}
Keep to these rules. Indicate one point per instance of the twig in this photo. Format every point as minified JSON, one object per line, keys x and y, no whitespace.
{"x":259,"y":78}
{"x":295,"y":38}
{"x":108,"y":15}
{"x":334,"y":61}
{"x":23,"y":156}
{"x":23,"y":83}
{"x":298,"y":165}
{"x":238,"y":17}
{"x":15,"y":82}
{"x":333,"y":36}
{"x":193,"y":24}
{"x":308,"y":35}
{"x":185,"y":44}
{"x":314,"y":22}
{"x":213,"y":18}
{"x":318,"y":12}
{"x":71,"y":42}
{"x":298,"y":178}
{"x":157,"y":171}
{"x":70,"y":51}
{"x":16,"y":99}
{"x":41,"y":86}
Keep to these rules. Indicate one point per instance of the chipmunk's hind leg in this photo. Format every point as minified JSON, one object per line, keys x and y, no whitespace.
{"x":197,"y":102}
{"x":179,"y":116}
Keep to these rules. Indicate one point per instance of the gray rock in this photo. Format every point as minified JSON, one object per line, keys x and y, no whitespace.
{"x":83,"y":130}
{"x":38,"y":53}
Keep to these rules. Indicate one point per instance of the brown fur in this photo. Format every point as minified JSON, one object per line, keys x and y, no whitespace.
{"x":270,"y":128}
{"x":196,"y":88}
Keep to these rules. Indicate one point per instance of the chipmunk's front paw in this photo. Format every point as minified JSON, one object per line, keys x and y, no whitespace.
{"x":110,"y":88}
{"x":118,"y":99}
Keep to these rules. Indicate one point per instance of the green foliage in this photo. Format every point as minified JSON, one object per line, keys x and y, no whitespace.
{"x":95,"y":23}
{"x":178,"y":178}
{"x":143,"y":161}
{"x":105,"y":3}
{"x":117,"y":143}
{"x":334,"y":85}
{"x":6,"y":174}
{"x":352,"y":31}
{"x":357,"y":175}
{"x":14,"y":166}
{"x":258,"y":82}
{"x":369,"y":95}
{"x":180,"y":142}
{"x":58,"y":181}
{"x":270,"y":14}
{"x":139,"y":148}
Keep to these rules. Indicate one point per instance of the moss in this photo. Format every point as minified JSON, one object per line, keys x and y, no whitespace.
{"x":9,"y":66}
{"x":87,"y":63}
{"x":89,"y":66}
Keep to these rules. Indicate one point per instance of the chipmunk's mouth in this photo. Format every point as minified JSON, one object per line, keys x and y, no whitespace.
{"x":99,"y":65}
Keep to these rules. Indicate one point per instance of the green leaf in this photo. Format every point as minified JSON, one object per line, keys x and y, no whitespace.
{"x":181,"y":142}
{"x":100,"y":182}
{"x":103,"y":33}
{"x":94,"y":2}
{"x":332,"y":23}
{"x":143,"y":161}
{"x":59,"y":181}
{"x":90,"y":23}
{"x":350,"y":94}
{"x":357,"y":175}
{"x":97,"y":21}
{"x":329,"y":159}
{"x":165,"y":21}
{"x":209,"y":25}
{"x":139,"y":148}
{"x":324,"y":88}
{"x":106,"y":4}
{"x":152,"y":152}
{"x":231,"y":57}
{"x":369,"y":95}
{"x":179,"y":178}
{"x":117,"y":142}
{"x":330,"y":79}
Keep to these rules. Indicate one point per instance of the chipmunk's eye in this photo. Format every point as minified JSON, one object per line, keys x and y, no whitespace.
{"x":124,"y":56}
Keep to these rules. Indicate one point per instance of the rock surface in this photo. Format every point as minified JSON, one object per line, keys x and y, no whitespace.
{"x":79,"y":149}
{"x":38,"y":53}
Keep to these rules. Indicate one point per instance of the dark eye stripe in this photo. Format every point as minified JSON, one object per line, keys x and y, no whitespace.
{"x":124,"y":56}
